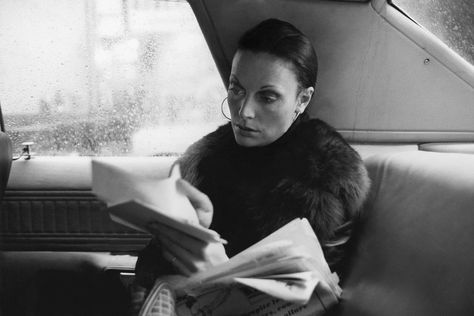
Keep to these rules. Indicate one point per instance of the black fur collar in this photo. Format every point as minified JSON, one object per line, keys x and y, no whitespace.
{"x":309,"y":172}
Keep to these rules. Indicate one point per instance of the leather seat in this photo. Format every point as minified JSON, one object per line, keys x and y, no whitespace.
{"x":414,"y":249}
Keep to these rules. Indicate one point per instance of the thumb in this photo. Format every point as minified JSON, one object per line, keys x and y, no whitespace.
{"x":200,"y":201}
{"x":204,"y":216}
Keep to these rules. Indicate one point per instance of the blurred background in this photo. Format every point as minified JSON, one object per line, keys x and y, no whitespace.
{"x":106,"y":77}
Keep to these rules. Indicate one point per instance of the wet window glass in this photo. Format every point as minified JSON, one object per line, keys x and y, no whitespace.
{"x":106,"y":77}
{"x":451,"y":21}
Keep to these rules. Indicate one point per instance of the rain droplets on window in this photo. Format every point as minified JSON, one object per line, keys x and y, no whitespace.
{"x":106,"y":77}
{"x":451,"y":21}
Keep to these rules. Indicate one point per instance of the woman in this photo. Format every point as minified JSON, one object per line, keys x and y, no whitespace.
{"x":269,"y":165}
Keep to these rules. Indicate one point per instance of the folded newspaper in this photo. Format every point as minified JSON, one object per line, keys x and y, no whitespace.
{"x":283,"y":274}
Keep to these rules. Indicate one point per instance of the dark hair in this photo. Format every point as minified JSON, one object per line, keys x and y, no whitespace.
{"x":283,"y":40}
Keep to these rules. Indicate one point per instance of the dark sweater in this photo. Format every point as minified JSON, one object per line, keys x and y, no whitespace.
{"x":308,"y":172}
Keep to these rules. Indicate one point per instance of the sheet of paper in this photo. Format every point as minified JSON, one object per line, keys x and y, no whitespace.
{"x":299,"y":232}
{"x":115,"y":186}
{"x":139,"y":216}
{"x":242,"y":300}
{"x":295,"y":287}
{"x":137,"y":201}
{"x":236,"y":265}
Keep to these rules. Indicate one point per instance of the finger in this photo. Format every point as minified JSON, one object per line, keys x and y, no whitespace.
{"x":158,"y":229}
{"x":207,"y":255}
{"x":175,"y":261}
{"x":153,"y":227}
{"x":204,"y":217}
{"x":188,"y":242}
{"x":186,"y":261}
{"x":199,"y":200}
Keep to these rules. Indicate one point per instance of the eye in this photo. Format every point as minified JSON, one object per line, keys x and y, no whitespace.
{"x":267,"y":97}
{"x":235,"y":90}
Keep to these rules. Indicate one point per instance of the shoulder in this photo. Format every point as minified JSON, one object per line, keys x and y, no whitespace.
{"x":212,"y":143}
{"x":320,"y":135}
{"x":325,"y":146}
{"x":333,"y":160}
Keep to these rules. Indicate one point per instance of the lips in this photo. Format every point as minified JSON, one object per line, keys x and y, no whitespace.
{"x":245,"y":131}
{"x":246,"y":128}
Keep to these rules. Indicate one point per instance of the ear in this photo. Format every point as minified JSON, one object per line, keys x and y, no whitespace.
{"x":304,"y":98}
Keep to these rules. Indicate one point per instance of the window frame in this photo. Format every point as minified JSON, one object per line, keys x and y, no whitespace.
{"x":425,"y":40}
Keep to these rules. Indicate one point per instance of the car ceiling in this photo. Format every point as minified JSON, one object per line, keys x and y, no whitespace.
{"x":382,"y":78}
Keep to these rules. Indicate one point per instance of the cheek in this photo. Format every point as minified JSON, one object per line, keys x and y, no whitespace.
{"x":234,"y":106}
{"x":234,"y":110}
{"x":277,"y":122}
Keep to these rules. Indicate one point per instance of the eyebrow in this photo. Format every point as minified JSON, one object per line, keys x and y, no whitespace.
{"x":233,"y":79}
{"x":268,"y":86}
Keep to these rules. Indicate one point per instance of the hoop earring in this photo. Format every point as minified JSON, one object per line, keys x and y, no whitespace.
{"x":297,"y":113}
{"x":222,"y":109}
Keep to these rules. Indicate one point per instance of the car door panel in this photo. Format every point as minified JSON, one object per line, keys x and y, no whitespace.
{"x":48,"y":205}
{"x":60,"y":248}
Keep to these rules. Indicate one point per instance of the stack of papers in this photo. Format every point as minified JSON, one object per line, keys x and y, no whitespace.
{"x":288,"y":264}
{"x":285,"y":272}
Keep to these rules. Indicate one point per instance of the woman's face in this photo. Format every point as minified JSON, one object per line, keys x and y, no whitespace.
{"x":264,"y":98}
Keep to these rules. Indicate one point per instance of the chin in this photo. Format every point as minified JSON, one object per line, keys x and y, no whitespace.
{"x":250,"y":141}
{"x":246,"y":141}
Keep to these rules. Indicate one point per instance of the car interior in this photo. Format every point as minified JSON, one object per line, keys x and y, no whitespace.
{"x":398,"y":94}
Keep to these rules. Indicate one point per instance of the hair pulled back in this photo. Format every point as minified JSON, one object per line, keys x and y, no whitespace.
{"x":285,"y":41}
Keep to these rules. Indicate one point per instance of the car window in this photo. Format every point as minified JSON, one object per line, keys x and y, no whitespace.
{"x":106,"y":77}
{"x":451,"y":21}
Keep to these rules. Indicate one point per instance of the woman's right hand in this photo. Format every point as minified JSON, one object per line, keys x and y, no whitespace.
{"x":200,"y":201}
{"x":186,"y":253}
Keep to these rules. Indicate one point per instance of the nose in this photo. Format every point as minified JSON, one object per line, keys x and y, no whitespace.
{"x":247,"y":108}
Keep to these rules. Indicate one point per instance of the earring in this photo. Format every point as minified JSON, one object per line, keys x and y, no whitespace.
{"x":222,"y":109}
{"x":297,"y":113}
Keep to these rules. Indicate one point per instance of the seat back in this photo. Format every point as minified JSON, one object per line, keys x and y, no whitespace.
{"x":414,"y":249}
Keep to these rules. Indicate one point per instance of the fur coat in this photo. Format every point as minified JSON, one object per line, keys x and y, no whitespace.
{"x":309,"y":172}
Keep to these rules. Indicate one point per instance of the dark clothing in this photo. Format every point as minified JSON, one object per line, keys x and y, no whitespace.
{"x":308,"y":172}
